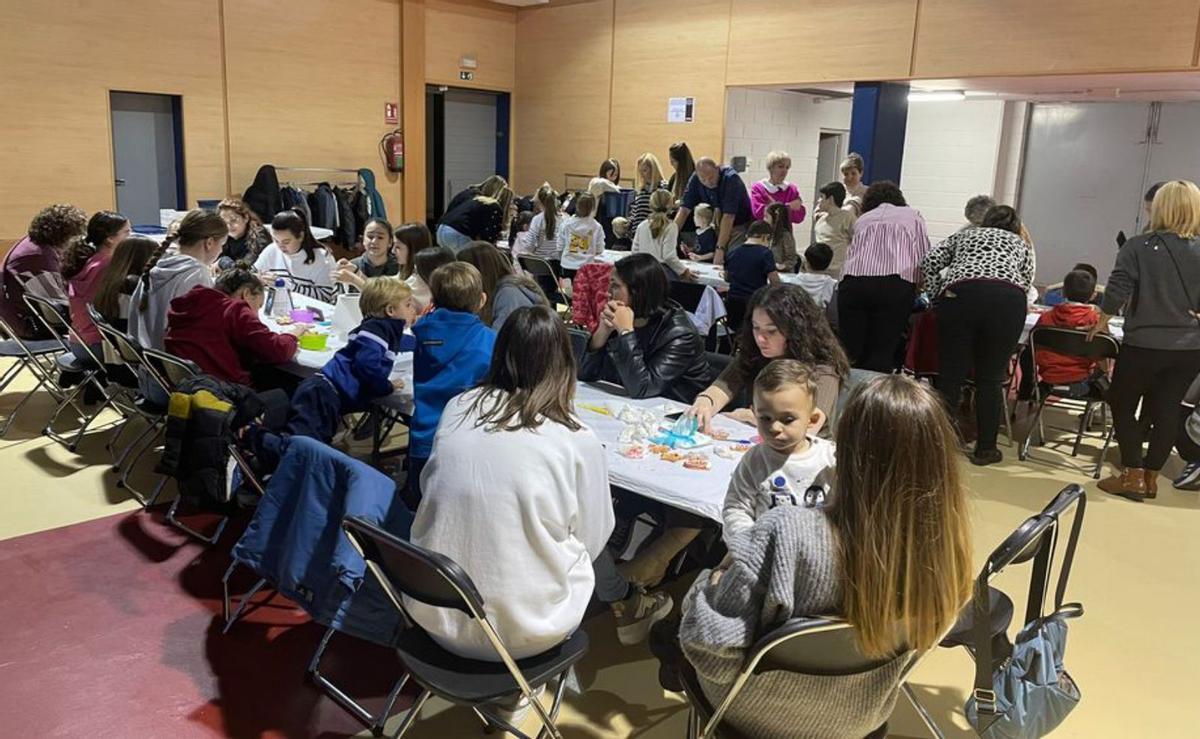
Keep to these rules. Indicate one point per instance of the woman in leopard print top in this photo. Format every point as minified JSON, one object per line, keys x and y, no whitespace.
{"x":978,"y":279}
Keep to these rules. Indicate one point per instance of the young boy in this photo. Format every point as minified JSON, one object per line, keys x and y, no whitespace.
{"x":814,"y":279}
{"x":706,"y":235}
{"x":359,"y":372}
{"x":622,"y":241}
{"x":454,"y":351}
{"x":792,"y":465}
{"x":1076,"y":312}
{"x":752,"y":265}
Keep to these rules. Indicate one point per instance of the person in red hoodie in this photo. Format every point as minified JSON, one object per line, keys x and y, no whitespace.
{"x":1077,"y":312}
{"x":218,"y":329}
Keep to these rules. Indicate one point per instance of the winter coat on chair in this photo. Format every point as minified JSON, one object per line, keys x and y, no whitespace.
{"x":295,"y":539}
{"x":263,"y":195}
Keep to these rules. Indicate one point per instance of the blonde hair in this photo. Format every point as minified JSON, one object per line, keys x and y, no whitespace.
{"x":656,"y":177}
{"x":620,"y":226}
{"x":900,"y":513}
{"x":379,"y":293}
{"x":776,"y":157}
{"x":660,"y":203}
{"x":502,"y":199}
{"x":1176,"y":208}
{"x":491,"y":186}
{"x":852,"y":161}
{"x":703,"y":212}
{"x":457,"y":286}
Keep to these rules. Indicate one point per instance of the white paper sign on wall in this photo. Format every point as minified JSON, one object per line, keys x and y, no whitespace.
{"x":680,"y":110}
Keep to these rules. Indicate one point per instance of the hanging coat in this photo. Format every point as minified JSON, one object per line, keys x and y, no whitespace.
{"x":375,"y":201}
{"x":263,"y":195}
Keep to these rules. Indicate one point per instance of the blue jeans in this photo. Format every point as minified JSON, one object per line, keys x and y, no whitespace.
{"x":451,"y":239}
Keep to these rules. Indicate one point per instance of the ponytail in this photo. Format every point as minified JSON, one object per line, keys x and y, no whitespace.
{"x":144,"y":280}
{"x":101,"y":227}
{"x":660,"y":204}
{"x":294,"y":222}
{"x":78,"y":252}
{"x":781,"y":222}
{"x":549,"y":201}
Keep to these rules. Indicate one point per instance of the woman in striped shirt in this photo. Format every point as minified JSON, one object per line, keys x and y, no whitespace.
{"x":649,"y":177}
{"x":879,"y":282}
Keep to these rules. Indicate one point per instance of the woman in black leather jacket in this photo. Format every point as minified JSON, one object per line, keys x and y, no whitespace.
{"x":644,"y":342}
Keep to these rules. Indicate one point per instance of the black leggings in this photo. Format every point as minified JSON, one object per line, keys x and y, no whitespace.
{"x":979,"y":327}
{"x":1158,"y":379}
{"x":872,"y":315}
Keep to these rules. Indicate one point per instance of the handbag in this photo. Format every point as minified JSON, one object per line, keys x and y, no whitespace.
{"x":1030,"y":693}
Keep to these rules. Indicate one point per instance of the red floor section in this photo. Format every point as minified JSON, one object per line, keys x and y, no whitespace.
{"x":112,"y":628}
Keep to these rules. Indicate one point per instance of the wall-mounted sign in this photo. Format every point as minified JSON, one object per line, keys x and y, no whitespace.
{"x":466,"y":76}
{"x":390,"y":116}
{"x":680,"y":110}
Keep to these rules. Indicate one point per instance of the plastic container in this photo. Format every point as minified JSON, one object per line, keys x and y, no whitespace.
{"x":300,"y":315}
{"x":314,"y":342}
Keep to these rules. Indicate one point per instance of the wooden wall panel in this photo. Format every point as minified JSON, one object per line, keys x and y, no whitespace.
{"x":960,"y":39}
{"x":58,"y":62}
{"x":412,"y":111}
{"x":774,"y":43}
{"x":655,"y":57}
{"x":561,"y":103}
{"x":484,"y":30}
{"x":309,"y":92}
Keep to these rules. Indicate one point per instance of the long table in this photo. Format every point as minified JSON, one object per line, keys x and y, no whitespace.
{"x":707,"y":273}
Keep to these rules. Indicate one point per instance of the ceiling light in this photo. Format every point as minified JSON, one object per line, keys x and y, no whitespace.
{"x":935,"y":96}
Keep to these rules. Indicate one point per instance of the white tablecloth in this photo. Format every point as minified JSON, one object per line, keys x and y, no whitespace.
{"x":318,"y":233}
{"x":701,"y":492}
{"x":707,"y":273}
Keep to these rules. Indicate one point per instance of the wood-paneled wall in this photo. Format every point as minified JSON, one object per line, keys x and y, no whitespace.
{"x":458,"y":28}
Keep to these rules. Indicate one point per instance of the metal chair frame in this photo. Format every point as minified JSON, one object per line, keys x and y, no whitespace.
{"x":39,"y":362}
{"x":539,"y":267}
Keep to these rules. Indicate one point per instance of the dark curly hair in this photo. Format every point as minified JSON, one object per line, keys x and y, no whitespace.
{"x":1002,"y":217}
{"x":805,"y":329}
{"x":884,"y":191}
{"x":55,"y":224}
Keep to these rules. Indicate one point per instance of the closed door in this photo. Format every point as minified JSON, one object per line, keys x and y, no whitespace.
{"x":1175,"y":148}
{"x":147,"y":154}
{"x":470,"y":139}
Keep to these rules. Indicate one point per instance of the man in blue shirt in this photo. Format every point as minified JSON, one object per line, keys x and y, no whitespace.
{"x":724,"y":190}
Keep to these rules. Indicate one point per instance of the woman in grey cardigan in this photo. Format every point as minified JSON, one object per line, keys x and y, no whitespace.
{"x":899,"y":507}
{"x":1156,"y":279}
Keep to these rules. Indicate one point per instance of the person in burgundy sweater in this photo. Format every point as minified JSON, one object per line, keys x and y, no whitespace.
{"x":1077,"y":313}
{"x":219,"y":329}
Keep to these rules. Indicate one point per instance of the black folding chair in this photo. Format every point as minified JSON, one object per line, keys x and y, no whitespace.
{"x":1071,"y":343}
{"x":804,"y":646}
{"x":47,"y":313}
{"x":735,"y":313}
{"x":579,"y":343}
{"x":135,"y":406}
{"x":404,"y":569}
{"x":982,"y":627}
{"x":35,"y":355}
{"x":547,"y":276}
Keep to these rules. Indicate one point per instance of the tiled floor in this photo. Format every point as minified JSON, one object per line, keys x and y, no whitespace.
{"x":110,"y":626}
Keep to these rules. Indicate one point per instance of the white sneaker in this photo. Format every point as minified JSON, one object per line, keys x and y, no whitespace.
{"x":515,"y":712}
{"x":637,"y":613}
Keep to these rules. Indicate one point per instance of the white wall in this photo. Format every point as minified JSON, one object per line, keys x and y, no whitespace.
{"x":951,"y":153}
{"x":759,"y":121}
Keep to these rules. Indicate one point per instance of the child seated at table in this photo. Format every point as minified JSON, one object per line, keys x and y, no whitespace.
{"x":219,"y":329}
{"x":424,"y":264}
{"x":453,"y":353}
{"x":359,"y":372}
{"x":1075,"y":313}
{"x":622,"y":240}
{"x":582,"y":237}
{"x":752,"y":265}
{"x":792,"y":466}
{"x":814,"y":279}
{"x":706,"y":235}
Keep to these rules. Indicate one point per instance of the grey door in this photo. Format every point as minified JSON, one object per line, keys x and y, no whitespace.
{"x":145,"y":154}
{"x":1175,"y":153}
{"x":470,"y":139}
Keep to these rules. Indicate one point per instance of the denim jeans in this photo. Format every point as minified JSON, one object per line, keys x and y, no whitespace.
{"x":451,"y":239}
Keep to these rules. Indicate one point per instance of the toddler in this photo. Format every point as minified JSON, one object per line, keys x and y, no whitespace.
{"x":706,"y":235}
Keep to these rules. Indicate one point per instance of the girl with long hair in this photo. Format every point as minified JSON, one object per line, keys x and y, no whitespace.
{"x":783,"y":243}
{"x":378,"y":258}
{"x":504,"y":290}
{"x":545,"y":228}
{"x":649,"y":180}
{"x":480,"y":218}
{"x":247,"y":237}
{"x":659,"y":236}
{"x":296,"y":256}
{"x":119,"y":280}
{"x":84,"y":264}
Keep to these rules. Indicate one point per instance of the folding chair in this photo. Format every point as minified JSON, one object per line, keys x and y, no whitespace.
{"x":982,"y":627}
{"x":47,"y":314}
{"x":127,"y":350}
{"x":35,"y":355}
{"x":1071,"y":343}
{"x":689,"y":296}
{"x":169,"y":372}
{"x":579,"y":343}
{"x":405,"y":569}
{"x":805,"y":646}
{"x":546,"y":276}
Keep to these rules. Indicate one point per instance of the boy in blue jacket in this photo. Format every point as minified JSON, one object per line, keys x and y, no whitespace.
{"x":359,"y":372}
{"x":454,"y":351}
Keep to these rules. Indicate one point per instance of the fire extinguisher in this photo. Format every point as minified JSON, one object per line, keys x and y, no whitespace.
{"x":391,"y":147}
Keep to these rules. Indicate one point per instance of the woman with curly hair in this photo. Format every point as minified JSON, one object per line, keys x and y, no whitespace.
{"x":35,"y":264}
{"x":784,"y":323}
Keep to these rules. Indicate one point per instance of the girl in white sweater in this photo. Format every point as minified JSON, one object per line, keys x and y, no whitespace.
{"x":658,"y":235}
{"x":297,"y":257}
{"x":516,"y":492}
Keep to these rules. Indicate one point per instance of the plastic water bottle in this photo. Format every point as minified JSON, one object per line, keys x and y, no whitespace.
{"x":281,"y":299}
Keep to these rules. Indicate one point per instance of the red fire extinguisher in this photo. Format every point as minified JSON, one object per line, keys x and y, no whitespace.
{"x":391,"y":147}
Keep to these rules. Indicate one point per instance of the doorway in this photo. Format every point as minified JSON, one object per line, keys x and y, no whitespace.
{"x":147,"y":139}
{"x":831,"y":150}
{"x":467,"y":135}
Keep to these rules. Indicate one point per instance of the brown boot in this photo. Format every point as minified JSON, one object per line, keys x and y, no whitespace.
{"x":1131,"y":483}
{"x":1151,"y":477}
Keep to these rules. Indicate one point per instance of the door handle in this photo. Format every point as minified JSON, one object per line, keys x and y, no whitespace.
{"x":120,"y":182}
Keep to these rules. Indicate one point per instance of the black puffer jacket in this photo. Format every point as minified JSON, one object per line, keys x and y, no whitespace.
{"x":663,"y":358}
{"x":263,"y":195}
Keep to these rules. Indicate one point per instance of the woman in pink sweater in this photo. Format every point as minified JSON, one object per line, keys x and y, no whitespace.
{"x":776,"y":189}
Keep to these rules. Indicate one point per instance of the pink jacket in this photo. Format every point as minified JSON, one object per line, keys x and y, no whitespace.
{"x":763,"y":193}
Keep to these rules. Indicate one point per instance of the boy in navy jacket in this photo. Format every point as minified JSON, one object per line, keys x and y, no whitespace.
{"x":359,"y":372}
{"x":454,"y":351}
